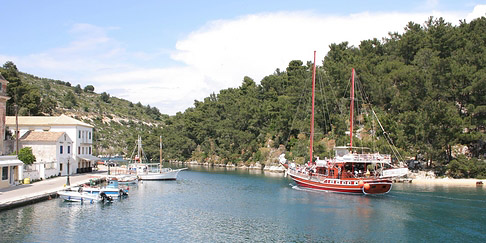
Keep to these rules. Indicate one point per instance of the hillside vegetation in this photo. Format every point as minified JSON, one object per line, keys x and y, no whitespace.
{"x":427,"y":86}
{"x":117,"y":122}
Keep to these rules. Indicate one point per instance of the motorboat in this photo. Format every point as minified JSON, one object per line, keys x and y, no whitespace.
{"x":82,"y":196}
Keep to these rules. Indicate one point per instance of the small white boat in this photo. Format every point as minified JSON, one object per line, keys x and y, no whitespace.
{"x":152,"y":172}
{"x":149,"y":172}
{"x":83,"y":197}
{"x":112,"y":190}
{"x":127,"y":180}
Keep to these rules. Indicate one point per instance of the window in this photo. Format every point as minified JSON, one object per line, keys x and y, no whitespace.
{"x":89,"y":150}
{"x":79,"y":150}
{"x":89,"y":135}
{"x":4,"y":173}
{"x":79,"y":134}
{"x":60,"y":149}
{"x":69,"y":150}
{"x":83,"y":150}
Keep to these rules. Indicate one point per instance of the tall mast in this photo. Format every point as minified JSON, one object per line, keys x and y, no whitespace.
{"x":312,"y":114}
{"x":160,"y":153}
{"x":351,"y":112}
{"x":139,"y":153}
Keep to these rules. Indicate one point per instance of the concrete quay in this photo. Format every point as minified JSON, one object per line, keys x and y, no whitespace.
{"x":21,"y":195}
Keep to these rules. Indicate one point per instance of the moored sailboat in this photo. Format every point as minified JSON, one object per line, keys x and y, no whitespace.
{"x":348,"y":171}
{"x":153,"y":172}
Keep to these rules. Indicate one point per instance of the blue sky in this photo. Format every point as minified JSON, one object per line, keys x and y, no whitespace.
{"x":170,"y":53}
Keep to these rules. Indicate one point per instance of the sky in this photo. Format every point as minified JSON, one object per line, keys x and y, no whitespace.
{"x":167,"y":54}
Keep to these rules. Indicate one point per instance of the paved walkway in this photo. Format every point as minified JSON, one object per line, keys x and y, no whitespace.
{"x":15,"y":196}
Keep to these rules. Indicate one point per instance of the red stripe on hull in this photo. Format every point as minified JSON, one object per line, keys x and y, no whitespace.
{"x":376,"y":186}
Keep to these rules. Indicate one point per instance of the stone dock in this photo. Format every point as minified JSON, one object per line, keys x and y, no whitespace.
{"x":21,"y":195}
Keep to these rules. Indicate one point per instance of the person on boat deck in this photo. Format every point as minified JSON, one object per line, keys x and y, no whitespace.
{"x":367,"y":173}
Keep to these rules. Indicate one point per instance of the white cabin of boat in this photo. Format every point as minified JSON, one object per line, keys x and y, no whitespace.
{"x":348,"y":163}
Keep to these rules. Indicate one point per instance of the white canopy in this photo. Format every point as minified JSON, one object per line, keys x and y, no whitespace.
{"x":10,"y":161}
{"x":89,"y":157}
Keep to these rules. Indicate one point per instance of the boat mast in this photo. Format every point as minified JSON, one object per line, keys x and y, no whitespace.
{"x":351,"y":112}
{"x":139,"y":142}
{"x":160,"y":153}
{"x":312,"y":114}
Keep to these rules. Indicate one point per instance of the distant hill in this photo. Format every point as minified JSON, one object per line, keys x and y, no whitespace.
{"x":117,"y":122}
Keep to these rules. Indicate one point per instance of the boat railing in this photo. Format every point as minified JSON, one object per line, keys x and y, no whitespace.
{"x":320,"y":177}
{"x":365,"y":158}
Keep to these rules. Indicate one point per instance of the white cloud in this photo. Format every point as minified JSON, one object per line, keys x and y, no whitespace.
{"x":479,"y":10}
{"x":215,"y":57}
{"x":169,"y":89}
{"x":255,"y":45}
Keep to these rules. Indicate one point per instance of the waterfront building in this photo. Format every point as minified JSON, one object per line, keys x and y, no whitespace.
{"x":52,"y":151}
{"x":10,"y":167}
{"x":81,"y":134}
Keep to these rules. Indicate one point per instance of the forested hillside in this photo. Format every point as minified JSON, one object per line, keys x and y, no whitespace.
{"x":427,"y":86}
{"x":117,"y":122}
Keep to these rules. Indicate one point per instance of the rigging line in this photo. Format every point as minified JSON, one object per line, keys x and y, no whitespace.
{"x":341,"y":104}
{"x":387,"y":136}
{"x":133,"y":152}
{"x":297,"y":112}
{"x":144,"y":155}
{"x":334,"y":93}
{"x":365,"y":99}
{"x":325,"y":108}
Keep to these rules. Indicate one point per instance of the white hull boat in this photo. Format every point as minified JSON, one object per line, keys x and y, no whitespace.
{"x":127,"y":180}
{"x":112,"y":190}
{"x":152,"y":172}
{"x":165,"y":174}
{"x":83,"y":197}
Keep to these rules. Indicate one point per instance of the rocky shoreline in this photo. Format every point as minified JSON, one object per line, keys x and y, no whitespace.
{"x":254,"y":166}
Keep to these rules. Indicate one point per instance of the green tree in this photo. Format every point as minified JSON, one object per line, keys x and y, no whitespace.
{"x":26,"y":156}
{"x":78,"y":89}
{"x":89,"y":88}
{"x":105,"y":97}
{"x":70,"y":100}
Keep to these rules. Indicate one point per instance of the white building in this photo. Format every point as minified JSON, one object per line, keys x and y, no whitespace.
{"x":10,"y":171}
{"x":53,"y":152}
{"x":79,"y":132}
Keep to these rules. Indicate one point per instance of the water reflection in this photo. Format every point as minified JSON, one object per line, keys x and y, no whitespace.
{"x":273,"y":174}
{"x":221,"y":205}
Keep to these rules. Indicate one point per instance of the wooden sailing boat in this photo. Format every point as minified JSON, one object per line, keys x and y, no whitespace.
{"x":153,"y":172}
{"x":348,"y":171}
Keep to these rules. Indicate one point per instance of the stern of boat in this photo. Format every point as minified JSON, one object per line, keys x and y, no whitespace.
{"x":379,"y":187}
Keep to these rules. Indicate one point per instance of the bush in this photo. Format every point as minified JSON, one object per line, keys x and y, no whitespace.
{"x":26,"y":156}
{"x":463,"y":167}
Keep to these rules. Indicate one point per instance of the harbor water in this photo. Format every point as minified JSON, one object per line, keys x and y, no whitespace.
{"x":228,"y":205}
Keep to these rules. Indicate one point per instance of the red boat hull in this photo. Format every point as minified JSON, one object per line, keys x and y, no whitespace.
{"x":350,"y":186}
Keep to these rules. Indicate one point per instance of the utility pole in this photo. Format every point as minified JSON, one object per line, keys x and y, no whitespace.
{"x":17,"y":127}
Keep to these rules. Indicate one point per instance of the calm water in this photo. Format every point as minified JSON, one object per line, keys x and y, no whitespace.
{"x":247,"y":206}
